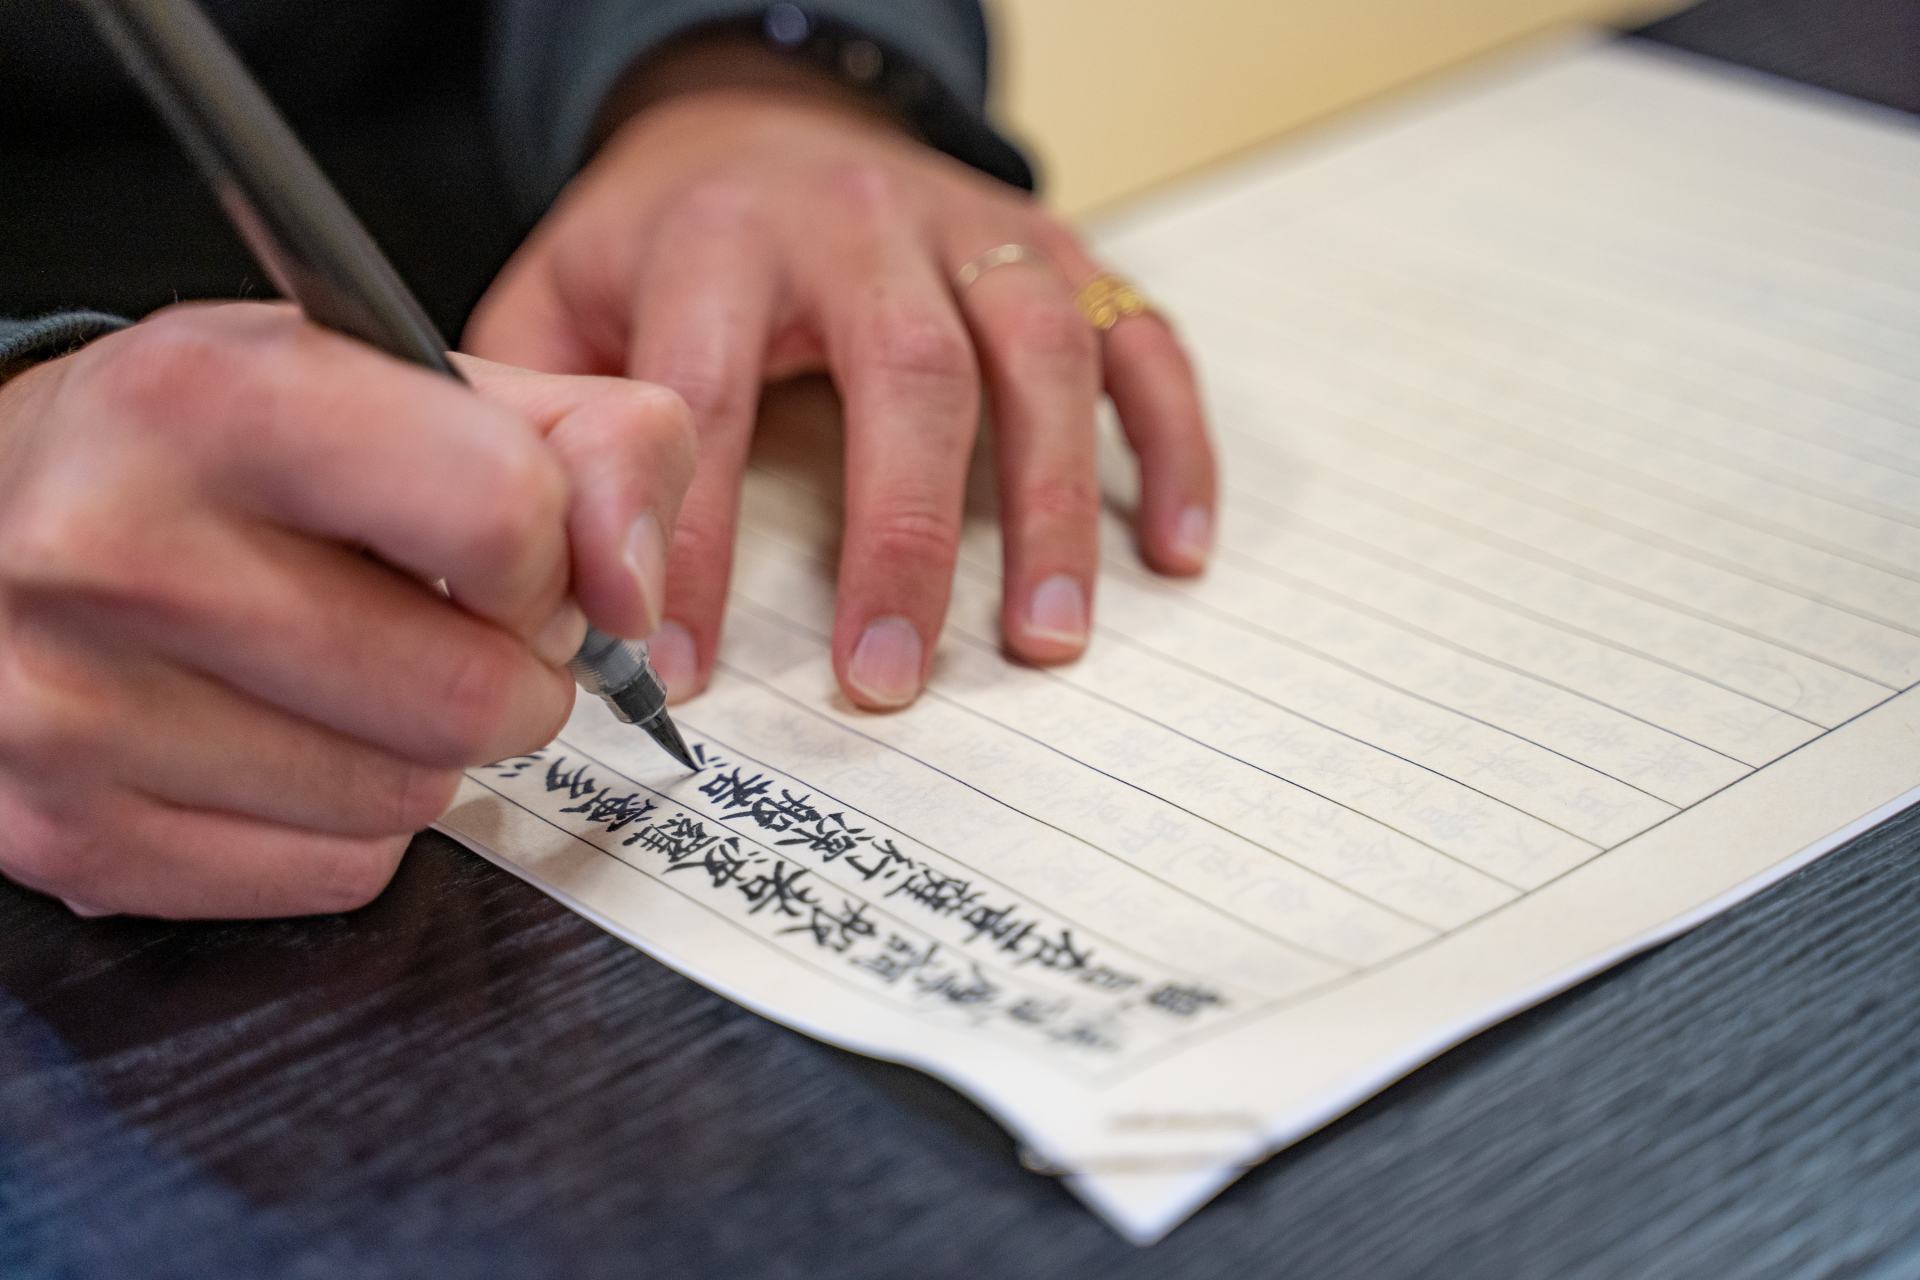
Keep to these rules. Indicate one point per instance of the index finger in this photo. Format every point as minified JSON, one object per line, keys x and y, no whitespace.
{"x":628,"y":451}
{"x":908,"y":374}
{"x":320,"y":434}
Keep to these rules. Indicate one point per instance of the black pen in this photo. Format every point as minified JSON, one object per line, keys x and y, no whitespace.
{"x":317,"y":252}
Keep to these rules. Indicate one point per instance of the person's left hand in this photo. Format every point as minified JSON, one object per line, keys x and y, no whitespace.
{"x":728,"y":236}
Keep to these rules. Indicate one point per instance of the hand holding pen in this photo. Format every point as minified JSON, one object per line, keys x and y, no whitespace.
{"x":316,"y":251}
{"x":217,"y":702}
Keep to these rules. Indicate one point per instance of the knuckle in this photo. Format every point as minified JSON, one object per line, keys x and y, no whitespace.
{"x":657,"y":423}
{"x":48,"y":854}
{"x":1053,"y":330}
{"x":869,"y":193}
{"x":726,"y":203}
{"x":917,"y":342}
{"x":56,"y":537}
{"x":164,"y":372}
{"x":908,"y":536}
{"x":46,"y":726}
{"x":525,"y":497}
{"x":658,"y":408}
{"x":1060,"y":500}
{"x":68,"y":539}
{"x":705,"y":544}
{"x":709,"y":388}
{"x":532,"y":482}
{"x":638,"y":421}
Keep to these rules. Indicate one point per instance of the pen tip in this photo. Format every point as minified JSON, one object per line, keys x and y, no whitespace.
{"x":661,"y":729}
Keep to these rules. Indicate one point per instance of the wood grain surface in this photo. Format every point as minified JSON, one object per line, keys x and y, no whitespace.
{"x":464,"y":1079}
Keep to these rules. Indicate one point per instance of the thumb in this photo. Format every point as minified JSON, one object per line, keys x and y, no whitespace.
{"x":628,"y":451}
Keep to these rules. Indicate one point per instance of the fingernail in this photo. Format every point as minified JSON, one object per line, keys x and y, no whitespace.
{"x":85,"y":911}
{"x":560,"y":639}
{"x":670,"y":652}
{"x":1193,"y":534}
{"x":647,"y":560}
{"x":1058,"y":611}
{"x":886,"y":663}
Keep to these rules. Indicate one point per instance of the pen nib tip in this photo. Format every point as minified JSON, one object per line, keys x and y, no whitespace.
{"x":662,"y":730}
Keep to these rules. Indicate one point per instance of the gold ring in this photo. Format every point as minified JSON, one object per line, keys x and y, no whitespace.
{"x":1001,"y":255}
{"x":1107,"y":299}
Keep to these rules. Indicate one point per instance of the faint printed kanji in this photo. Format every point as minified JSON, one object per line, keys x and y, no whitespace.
{"x":1183,"y":1000}
{"x":1058,"y":952}
{"x":998,"y":923}
{"x":1104,"y":977}
{"x":1085,"y":1034}
{"x":900,"y":957}
{"x":951,"y":985}
{"x":1033,"y":1011}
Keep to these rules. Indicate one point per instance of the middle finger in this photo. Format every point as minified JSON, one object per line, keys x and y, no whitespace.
{"x":1043,"y":376}
{"x":254,"y":760}
{"x":333,"y":637}
{"x":905,"y":368}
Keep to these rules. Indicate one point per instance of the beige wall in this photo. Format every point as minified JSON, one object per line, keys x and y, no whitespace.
{"x":1116,"y":95}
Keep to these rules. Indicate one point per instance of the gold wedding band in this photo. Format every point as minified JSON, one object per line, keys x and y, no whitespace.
{"x":1001,"y":255}
{"x":1108,"y":299}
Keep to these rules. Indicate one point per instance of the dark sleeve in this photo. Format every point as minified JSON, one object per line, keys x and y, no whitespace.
{"x":27,"y":342}
{"x":554,"y":64}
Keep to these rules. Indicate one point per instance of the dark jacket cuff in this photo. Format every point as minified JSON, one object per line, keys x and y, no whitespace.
{"x":24,"y":343}
{"x":559,"y":63}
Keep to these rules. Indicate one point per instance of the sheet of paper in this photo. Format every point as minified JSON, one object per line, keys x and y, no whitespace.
{"x":1568,"y":590}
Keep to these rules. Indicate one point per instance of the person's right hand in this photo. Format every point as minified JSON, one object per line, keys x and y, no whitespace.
{"x":213,"y":701}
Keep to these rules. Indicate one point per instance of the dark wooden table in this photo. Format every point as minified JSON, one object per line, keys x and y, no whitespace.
{"x":464,"y":1079}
